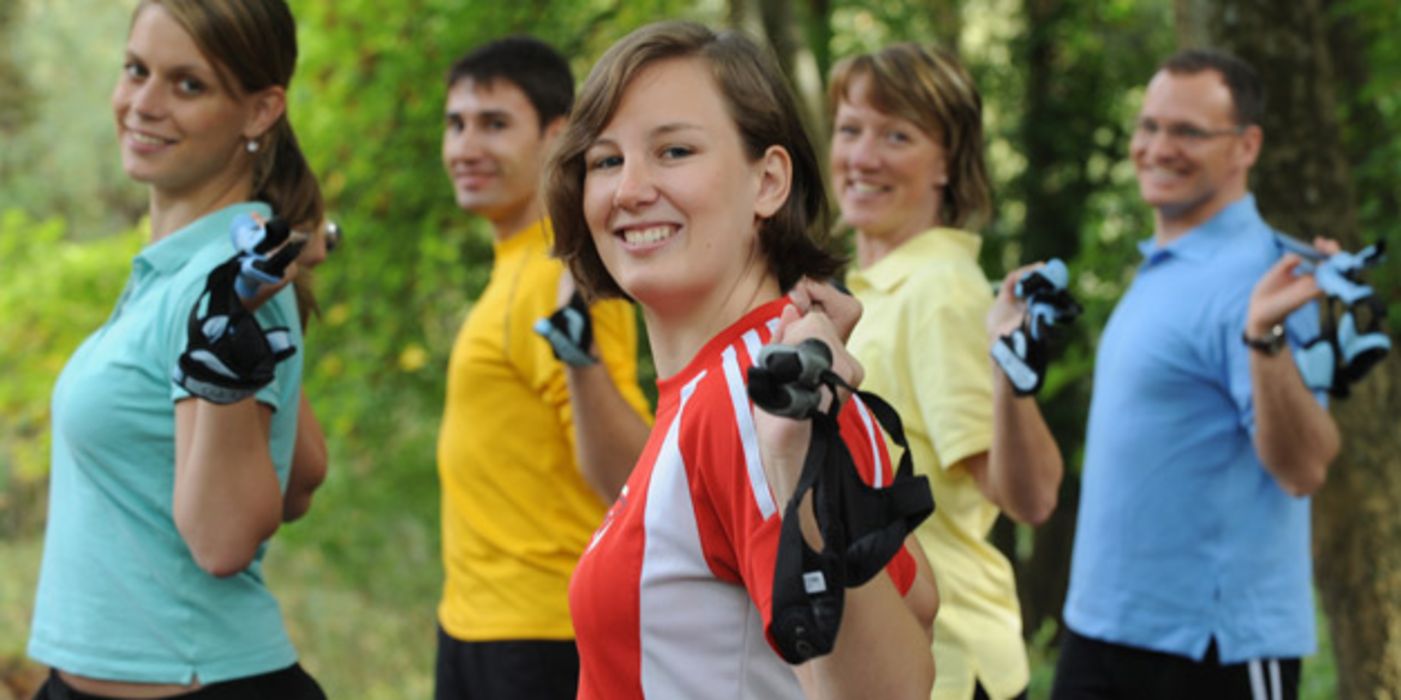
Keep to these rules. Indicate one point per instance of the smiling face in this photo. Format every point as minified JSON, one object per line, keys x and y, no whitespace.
{"x":493,"y":150}
{"x":1190,"y":158}
{"x":181,"y":130}
{"x":889,"y":175}
{"x":672,"y":200}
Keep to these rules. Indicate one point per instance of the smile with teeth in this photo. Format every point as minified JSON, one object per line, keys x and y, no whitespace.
{"x":860,"y":187}
{"x":645,"y":236}
{"x":147,"y":139}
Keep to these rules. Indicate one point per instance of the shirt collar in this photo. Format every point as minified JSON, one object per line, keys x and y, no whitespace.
{"x":1201,"y":242}
{"x":172,"y":252}
{"x":914,"y":255}
{"x":537,"y":233}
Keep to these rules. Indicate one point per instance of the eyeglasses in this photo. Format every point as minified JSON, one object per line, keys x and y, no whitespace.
{"x":1188,"y":134}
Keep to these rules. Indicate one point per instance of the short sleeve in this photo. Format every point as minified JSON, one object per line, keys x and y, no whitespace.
{"x":739,"y":541}
{"x":945,"y":349}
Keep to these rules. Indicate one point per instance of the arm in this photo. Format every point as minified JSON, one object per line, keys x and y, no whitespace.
{"x":923,"y":596}
{"x":882,"y":647}
{"x":227,"y":500}
{"x":308,"y":463}
{"x":1295,"y":437}
{"x":608,"y":432}
{"x":1021,"y":473}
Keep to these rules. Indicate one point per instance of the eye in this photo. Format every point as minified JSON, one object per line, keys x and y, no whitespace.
{"x":134,"y":70}
{"x":190,"y":86}
{"x":604,"y":162}
{"x":676,"y":152}
{"x":1147,"y":127}
{"x":848,"y":130}
{"x":1187,"y":132}
{"x":454,"y":124}
{"x":496,"y":124}
{"x":895,"y":136}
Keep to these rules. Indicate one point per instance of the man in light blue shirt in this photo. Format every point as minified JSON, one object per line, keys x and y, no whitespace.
{"x":1191,"y":569}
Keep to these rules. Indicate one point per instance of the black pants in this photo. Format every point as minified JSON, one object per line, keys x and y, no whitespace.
{"x":291,"y":683}
{"x":538,"y":669}
{"x":1093,"y":670}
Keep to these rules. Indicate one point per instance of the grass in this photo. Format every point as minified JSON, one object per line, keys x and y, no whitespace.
{"x":371,"y":635}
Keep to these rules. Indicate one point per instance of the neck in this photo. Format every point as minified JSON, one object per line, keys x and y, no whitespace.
{"x":678,"y":331}
{"x":870,"y":249}
{"x":1172,"y":223}
{"x":509,"y":223}
{"x":172,"y":210}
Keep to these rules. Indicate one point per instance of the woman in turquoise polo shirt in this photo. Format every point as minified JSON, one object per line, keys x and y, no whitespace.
{"x":907,"y":168}
{"x":161,"y":502}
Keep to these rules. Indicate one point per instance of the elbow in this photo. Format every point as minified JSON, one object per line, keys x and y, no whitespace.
{"x":223,"y":562}
{"x":1038,"y":513}
{"x":222,"y":549}
{"x":1305,"y":482}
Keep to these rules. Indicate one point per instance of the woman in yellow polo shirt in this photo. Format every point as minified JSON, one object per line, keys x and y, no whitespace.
{"x":907,"y":168}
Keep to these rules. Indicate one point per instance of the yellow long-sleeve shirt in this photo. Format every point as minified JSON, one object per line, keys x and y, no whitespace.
{"x":516,"y":512}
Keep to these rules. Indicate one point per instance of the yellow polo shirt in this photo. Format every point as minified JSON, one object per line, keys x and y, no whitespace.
{"x":516,"y":512}
{"x":923,"y":343}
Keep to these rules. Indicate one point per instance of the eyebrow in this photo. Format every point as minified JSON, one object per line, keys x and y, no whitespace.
{"x":663,"y":130}
{"x":185,"y":68}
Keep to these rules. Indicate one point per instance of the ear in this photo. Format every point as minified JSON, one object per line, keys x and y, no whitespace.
{"x":1250,"y":142}
{"x":554,"y":129}
{"x":266,"y":107}
{"x":775,"y":172}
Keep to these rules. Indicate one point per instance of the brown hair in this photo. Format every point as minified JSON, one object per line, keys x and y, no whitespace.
{"x":759,"y":101}
{"x":933,"y":91}
{"x":252,"y":45}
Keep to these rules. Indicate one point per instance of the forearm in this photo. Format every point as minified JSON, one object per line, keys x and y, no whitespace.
{"x":1295,"y":437}
{"x":881,"y":650}
{"x":227,"y":500}
{"x":608,"y":432}
{"x":308,"y":464}
{"x":1024,"y":463}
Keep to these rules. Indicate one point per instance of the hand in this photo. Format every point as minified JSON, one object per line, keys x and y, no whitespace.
{"x":783,"y":442}
{"x":1278,"y":293}
{"x":566,"y":288}
{"x":842,"y":308}
{"x":1007,"y":310}
{"x":267,"y":291}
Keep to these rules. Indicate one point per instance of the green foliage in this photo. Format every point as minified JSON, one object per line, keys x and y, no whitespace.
{"x":54,"y":292}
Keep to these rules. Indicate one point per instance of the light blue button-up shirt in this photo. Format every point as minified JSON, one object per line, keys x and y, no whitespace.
{"x":120,"y":596}
{"x":1183,"y":536}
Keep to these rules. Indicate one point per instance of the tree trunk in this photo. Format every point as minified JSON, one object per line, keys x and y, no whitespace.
{"x":778,"y":23}
{"x":1305,"y":187}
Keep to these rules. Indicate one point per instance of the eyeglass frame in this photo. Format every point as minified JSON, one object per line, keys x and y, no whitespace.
{"x":1180,"y":132}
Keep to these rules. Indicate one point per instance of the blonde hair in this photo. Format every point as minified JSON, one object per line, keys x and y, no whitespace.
{"x":931,"y":89}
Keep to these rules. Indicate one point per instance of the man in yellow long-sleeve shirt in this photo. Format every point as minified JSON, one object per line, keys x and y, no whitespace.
{"x":531,"y":449}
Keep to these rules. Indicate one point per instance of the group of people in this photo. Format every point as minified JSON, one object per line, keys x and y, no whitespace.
{"x":593,"y":548}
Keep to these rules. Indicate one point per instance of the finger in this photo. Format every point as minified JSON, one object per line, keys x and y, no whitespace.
{"x":1327,"y":246}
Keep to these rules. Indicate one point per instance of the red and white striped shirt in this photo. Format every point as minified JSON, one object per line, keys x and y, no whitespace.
{"x":672,"y":597}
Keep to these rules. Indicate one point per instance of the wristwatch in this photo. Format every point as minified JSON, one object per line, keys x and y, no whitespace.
{"x":1270,"y":343}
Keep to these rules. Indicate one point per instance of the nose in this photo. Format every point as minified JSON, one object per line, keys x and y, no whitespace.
{"x":461,"y":144}
{"x":147,"y":99}
{"x":635,"y":186}
{"x":863,"y":153}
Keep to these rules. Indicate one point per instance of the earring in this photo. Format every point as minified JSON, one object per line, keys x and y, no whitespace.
{"x":252,"y":146}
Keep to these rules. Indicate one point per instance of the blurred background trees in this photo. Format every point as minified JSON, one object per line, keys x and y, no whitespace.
{"x":1061,"y":81}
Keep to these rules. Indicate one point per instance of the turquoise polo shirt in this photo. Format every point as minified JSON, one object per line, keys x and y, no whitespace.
{"x":1183,"y":536}
{"x":120,"y":596}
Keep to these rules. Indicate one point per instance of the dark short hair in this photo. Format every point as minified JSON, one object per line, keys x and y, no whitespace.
{"x":932,"y":90}
{"x":526,"y":62}
{"x":759,"y":101}
{"x":1247,"y":92}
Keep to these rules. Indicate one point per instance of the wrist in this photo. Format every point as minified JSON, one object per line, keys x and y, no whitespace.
{"x":1269,"y":340}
